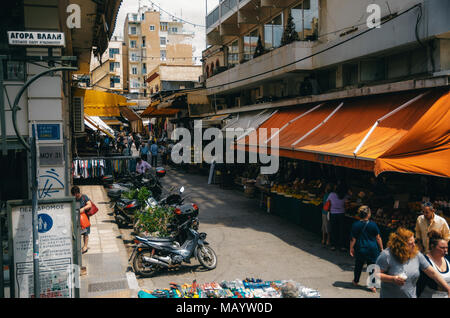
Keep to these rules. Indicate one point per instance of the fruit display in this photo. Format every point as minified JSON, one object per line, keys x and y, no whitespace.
{"x":398,"y":218}
{"x":308,"y":193}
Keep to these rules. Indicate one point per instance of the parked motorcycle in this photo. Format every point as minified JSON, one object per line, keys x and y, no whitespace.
{"x":153,"y":254}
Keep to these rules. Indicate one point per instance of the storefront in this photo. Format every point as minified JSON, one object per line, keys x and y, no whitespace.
{"x":403,"y":136}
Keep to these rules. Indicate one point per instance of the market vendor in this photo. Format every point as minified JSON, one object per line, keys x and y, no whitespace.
{"x":428,"y":222}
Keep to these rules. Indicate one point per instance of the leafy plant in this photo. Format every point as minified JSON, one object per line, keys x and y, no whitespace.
{"x":155,"y":220}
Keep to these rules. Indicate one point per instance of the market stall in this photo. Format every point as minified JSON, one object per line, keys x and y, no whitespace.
{"x":247,"y":288}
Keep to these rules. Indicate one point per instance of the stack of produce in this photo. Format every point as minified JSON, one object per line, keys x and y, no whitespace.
{"x":248,"y":288}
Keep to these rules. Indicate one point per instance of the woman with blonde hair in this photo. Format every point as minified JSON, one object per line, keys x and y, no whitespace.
{"x":436,"y":257}
{"x":400,"y":265}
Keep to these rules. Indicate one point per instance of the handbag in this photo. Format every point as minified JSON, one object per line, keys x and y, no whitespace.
{"x":92,"y":210}
{"x":327,"y":206}
{"x":84,"y":221}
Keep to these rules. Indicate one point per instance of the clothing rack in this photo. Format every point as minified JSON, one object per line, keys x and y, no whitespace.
{"x":84,"y":168}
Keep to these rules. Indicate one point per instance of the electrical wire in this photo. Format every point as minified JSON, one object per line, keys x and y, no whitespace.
{"x":175,"y":17}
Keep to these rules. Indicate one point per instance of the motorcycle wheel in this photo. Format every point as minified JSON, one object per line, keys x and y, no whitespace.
{"x":138,"y":265}
{"x":206,"y":256}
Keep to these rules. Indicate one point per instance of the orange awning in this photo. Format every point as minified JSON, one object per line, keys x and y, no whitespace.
{"x":155,"y":112}
{"x":392,"y":145}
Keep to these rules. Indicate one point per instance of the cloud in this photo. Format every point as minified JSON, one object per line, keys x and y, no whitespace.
{"x":190,"y":10}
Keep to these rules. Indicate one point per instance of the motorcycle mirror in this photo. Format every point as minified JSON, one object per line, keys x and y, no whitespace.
{"x":182,"y":189}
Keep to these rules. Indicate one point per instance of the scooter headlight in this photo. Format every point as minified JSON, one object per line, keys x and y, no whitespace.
{"x":202,"y":236}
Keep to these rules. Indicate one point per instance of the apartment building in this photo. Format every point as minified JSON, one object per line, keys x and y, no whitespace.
{"x":107,"y":72}
{"x":338,"y":54}
{"x":152,"y":39}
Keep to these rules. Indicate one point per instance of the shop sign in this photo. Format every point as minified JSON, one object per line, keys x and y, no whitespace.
{"x":48,"y":132}
{"x":51,"y":155}
{"x":36,"y":38}
{"x":56,"y":257}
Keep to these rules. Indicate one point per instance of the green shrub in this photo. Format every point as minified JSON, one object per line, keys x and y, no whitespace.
{"x":155,"y":221}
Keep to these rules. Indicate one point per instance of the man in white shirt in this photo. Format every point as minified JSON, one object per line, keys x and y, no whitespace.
{"x":426,"y":223}
{"x":142,"y":166}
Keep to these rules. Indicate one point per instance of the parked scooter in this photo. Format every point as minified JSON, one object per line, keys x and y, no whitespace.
{"x":154,"y":254}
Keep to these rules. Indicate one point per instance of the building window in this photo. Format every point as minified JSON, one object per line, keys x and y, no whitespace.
{"x":112,"y":52}
{"x":174,"y":30}
{"x":162,"y":40}
{"x":134,"y":57}
{"x":273,"y":32}
{"x":134,"y":70}
{"x":143,"y":16}
{"x":133,"y":30}
{"x":113,"y":66}
{"x":143,"y":41}
{"x":250,"y":42}
{"x":113,"y":80}
{"x":133,"y":44}
{"x":144,"y":68}
{"x":163,"y":55}
{"x":163,"y":26}
{"x":233,"y":53}
{"x":306,"y":19}
{"x":152,"y":28}
{"x":134,"y":17}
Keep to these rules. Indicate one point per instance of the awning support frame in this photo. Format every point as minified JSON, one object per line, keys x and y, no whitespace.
{"x":251,"y":130}
{"x":375,"y":125}
{"x":319,"y":125}
{"x":292,"y":120}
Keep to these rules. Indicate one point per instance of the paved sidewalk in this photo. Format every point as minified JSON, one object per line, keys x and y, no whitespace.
{"x":106,"y":260}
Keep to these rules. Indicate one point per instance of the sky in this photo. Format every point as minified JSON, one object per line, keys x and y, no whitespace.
{"x":190,"y":10}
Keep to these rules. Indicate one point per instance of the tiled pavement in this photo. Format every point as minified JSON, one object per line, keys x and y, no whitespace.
{"x":106,"y":260}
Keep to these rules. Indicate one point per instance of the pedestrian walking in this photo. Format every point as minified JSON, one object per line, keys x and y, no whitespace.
{"x":436,"y":257}
{"x":400,"y":265}
{"x":365,"y":243}
{"x":326,"y":228}
{"x":163,"y":151}
{"x":144,"y":151}
{"x":427,"y":222}
{"x":337,"y":216}
{"x":154,"y":150}
{"x":85,"y":205}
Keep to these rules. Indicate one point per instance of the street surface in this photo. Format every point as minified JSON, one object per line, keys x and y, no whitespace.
{"x":252,"y":243}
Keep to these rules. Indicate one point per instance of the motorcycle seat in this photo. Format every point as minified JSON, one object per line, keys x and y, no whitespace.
{"x":160,"y":239}
{"x":114,"y":193}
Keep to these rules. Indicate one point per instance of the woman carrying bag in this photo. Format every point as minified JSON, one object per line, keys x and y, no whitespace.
{"x":365,"y":243}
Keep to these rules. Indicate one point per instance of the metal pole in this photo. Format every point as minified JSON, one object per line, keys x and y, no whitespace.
{"x":34,"y":207}
{"x":2,"y":283}
{"x":2,"y":111}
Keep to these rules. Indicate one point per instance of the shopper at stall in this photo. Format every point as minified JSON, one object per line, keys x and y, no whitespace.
{"x":365,"y":243}
{"x":154,"y":150}
{"x":427,"y":222}
{"x":85,"y":205}
{"x":326,"y":230}
{"x":436,"y":258}
{"x":400,"y":265}
{"x":337,"y":216}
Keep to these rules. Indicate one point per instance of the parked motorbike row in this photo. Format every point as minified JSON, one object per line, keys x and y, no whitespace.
{"x":152,"y":254}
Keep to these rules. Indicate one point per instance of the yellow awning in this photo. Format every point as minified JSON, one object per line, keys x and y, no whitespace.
{"x":98,"y":103}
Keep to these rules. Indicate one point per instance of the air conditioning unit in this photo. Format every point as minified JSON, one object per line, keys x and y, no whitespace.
{"x":78,"y":114}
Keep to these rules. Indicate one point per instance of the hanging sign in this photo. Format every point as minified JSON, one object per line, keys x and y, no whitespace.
{"x":36,"y":38}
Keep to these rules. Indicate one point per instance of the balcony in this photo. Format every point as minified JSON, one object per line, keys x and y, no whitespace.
{"x":246,"y":73}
